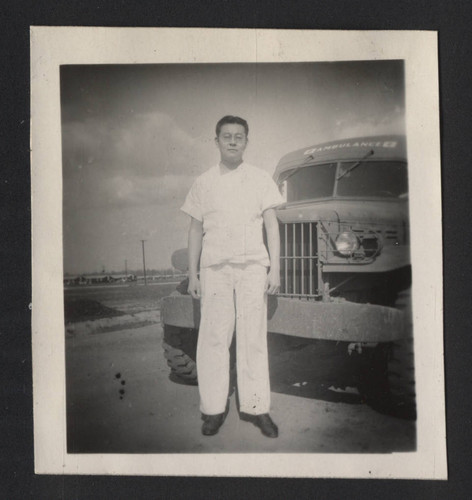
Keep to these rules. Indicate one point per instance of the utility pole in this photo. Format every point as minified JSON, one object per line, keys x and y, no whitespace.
{"x":144,"y":263}
{"x":126,"y":268}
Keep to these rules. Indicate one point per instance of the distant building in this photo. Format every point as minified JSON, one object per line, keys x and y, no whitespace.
{"x":94,"y":279}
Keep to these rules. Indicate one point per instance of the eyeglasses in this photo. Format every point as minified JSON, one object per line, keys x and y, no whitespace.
{"x":238,"y":138}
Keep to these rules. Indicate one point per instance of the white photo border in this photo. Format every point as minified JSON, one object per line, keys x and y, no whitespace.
{"x":52,"y":47}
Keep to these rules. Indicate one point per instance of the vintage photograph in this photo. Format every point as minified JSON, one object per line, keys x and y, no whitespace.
{"x":233,"y":253}
{"x":312,"y":155}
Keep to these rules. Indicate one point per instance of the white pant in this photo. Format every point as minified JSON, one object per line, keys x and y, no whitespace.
{"x":233,"y":291}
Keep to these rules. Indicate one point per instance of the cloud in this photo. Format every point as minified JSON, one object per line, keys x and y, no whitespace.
{"x":93,"y":190}
{"x":134,"y":190}
{"x":153,"y":143}
{"x":390,"y":122}
{"x":139,"y":159}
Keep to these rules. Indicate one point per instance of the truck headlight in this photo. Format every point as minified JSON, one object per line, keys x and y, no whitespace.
{"x":347,"y":243}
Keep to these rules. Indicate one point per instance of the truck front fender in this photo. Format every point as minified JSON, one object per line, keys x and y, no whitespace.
{"x":339,"y":321}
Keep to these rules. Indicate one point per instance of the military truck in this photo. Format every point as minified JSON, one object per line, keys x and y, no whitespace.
{"x":344,"y":266}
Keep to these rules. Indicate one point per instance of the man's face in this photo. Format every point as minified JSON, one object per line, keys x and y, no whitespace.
{"x":232,"y":142}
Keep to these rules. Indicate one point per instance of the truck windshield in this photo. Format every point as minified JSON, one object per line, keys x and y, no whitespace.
{"x":384,"y":179}
{"x":308,"y":183}
{"x":377,"y":179}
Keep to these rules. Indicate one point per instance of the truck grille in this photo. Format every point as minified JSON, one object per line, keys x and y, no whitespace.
{"x":298,"y":260}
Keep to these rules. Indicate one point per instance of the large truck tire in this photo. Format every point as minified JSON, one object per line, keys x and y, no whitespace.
{"x":180,"y":346}
{"x":401,"y":378}
{"x":387,"y":379}
{"x":180,"y":364}
{"x":401,"y":366}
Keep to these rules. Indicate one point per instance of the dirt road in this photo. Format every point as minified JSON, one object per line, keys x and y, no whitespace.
{"x":120,"y":400}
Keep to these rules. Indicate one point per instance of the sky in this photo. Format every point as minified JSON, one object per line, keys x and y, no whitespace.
{"x":135,"y":137}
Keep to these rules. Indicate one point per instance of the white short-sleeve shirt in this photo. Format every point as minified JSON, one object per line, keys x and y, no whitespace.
{"x":231,"y":205}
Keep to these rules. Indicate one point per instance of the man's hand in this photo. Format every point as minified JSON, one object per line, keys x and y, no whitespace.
{"x":194,"y":287}
{"x":273,"y":282}
{"x":195,"y":235}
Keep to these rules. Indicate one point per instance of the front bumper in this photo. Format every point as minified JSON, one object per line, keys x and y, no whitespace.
{"x":339,"y":321}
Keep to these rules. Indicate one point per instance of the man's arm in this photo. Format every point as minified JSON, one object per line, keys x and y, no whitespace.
{"x":273,"y":242}
{"x":195,"y":236}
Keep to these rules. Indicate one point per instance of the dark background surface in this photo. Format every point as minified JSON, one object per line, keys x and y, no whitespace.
{"x":450,"y":19}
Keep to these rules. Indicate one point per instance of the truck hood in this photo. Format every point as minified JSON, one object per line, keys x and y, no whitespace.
{"x":349,"y":211}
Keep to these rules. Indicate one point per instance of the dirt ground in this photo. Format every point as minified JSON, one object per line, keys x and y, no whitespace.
{"x":120,"y":398}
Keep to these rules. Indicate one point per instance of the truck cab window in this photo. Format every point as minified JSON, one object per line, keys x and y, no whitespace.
{"x":311,"y":182}
{"x":384,"y":179}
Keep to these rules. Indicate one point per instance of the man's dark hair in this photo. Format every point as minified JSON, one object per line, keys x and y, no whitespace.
{"x":231,"y":119}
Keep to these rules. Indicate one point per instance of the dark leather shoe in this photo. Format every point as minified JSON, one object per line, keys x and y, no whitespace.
{"x":264,"y":422}
{"x":212,"y":424}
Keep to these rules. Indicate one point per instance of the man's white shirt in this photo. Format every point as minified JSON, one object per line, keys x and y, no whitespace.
{"x":230,"y":206}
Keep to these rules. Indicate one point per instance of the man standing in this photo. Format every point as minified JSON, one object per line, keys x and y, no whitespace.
{"x":228,"y":205}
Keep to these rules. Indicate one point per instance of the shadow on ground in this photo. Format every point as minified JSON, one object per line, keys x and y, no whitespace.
{"x":314,"y":369}
{"x":82,"y":309}
{"x":307,"y":368}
